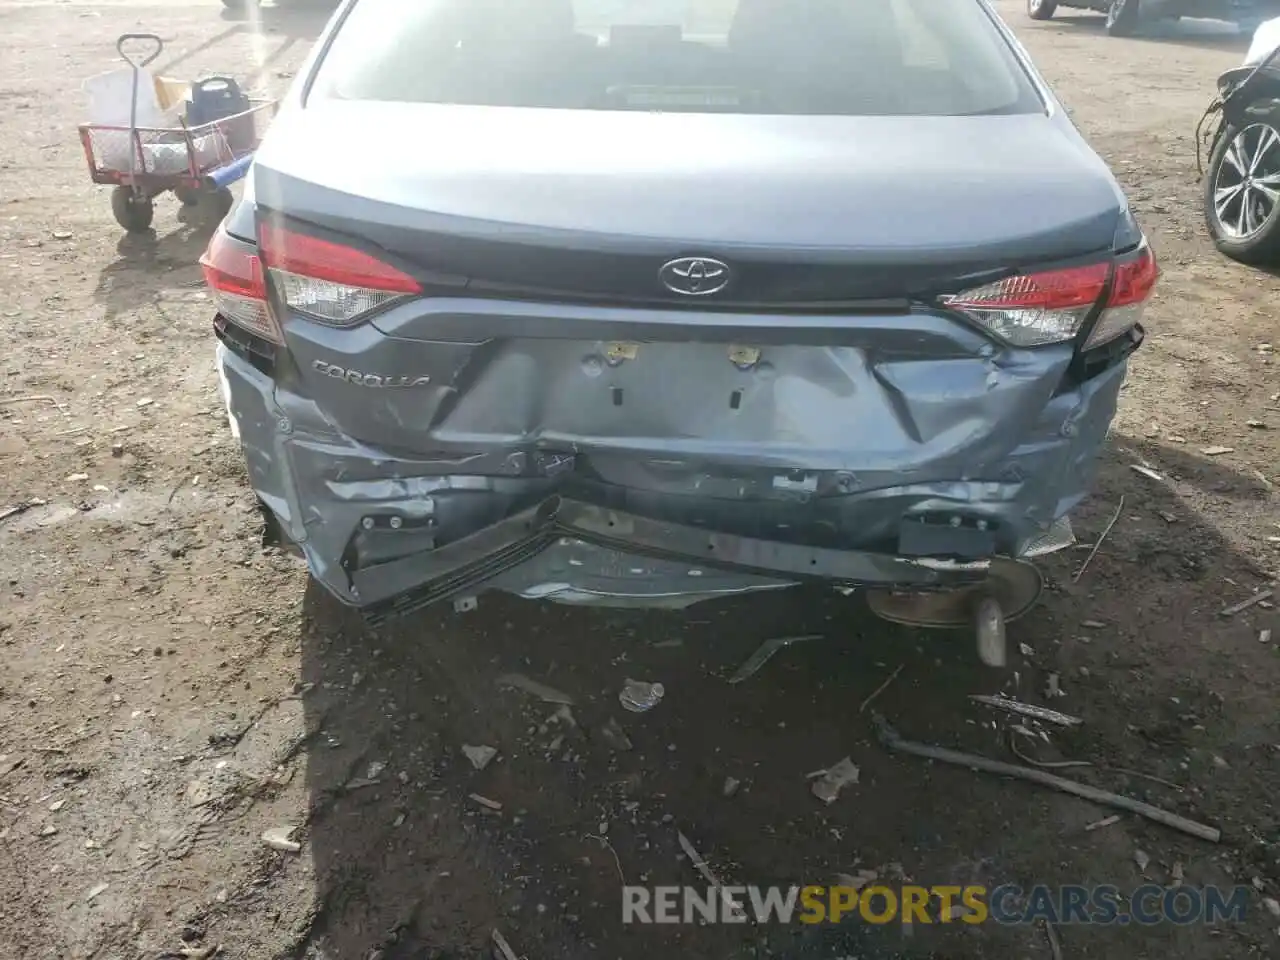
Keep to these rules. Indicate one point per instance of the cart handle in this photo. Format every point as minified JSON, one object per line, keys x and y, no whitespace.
{"x":149,"y":38}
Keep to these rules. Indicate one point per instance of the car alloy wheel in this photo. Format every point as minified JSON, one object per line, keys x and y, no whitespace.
{"x":1246,"y":185}
{"x":1041,"y":9}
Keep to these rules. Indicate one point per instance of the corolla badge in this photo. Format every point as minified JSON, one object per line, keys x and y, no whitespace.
{"x":359,"y":379}
{"x":695,"y":276}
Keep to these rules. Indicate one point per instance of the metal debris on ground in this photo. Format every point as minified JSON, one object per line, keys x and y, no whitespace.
{"x":96,"y":891}
{"x":1043,"y":764}
{"x":890,"y":739}
{"x":1145,"y":471}
{"x":279,"y":838}
{"x":485,"y":802}
{"x":611,"y":733}
{"x":711,"y":879}
{"x":479,"y":756}
{"x":1272,"y":906}
{"x":1027,"y":709}
{"x":1142,"y":860}
{"x":880,"y":689}
{"x":1052,"y":936}
{"x":199,"y":953}
{"x":639,"y":696}
{"x":1053,"y":687}
{"x":540,"y":690}
{"x":764,"y":653}
{"x":1176,"y":875}
{"x":1105,"y":533}
{"x":1243,"y":605}
{"x":828,"y":785}
{"x":1217,"y":451}
{"x":731,"y":785}
{"x":501,"y":949}
{"x":1104,"y":822}
{"x":604,"y":842}
{"x":1094,"y":625}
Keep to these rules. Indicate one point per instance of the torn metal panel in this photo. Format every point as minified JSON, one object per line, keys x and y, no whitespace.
{"x":527,"y":469}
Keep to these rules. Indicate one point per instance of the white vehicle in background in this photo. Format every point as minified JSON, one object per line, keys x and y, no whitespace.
{"x":1126,"y":17}
{"x":1242,"y":182}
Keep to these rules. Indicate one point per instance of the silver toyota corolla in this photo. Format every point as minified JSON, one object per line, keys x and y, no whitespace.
{"x":650,"y":301}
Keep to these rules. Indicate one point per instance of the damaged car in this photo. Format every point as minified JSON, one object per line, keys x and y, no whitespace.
{"x":641,"y":303}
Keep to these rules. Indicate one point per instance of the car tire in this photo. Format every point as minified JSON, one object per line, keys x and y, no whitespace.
{"x":1042,"y":9}
{"x":1244,"y":220}
{"x":1122,"y":18}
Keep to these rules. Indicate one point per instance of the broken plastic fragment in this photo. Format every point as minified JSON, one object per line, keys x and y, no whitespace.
{"x":639,"y":696}
{"x":764,"y":653}
{"x":277,"y":838}
{"x":827,"y":787}
{"x":529,"y":685}
{"x":479,"y":756}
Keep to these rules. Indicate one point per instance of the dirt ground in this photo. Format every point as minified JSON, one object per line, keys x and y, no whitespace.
{"x":169,"y":690}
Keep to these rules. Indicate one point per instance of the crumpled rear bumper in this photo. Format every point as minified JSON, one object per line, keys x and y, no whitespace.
{"x":388,"y":532}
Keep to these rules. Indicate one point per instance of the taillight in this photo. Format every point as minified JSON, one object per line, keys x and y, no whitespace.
{"x":1036,"y":309}
{"x":330,"y":282}
{"x":1131,"y":288}
{"x":234,"y":275}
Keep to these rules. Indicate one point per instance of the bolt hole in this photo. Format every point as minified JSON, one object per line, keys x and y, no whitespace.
{"x":735,"y":400}
{"x":813,"y":563}
{"x":617,"y":396}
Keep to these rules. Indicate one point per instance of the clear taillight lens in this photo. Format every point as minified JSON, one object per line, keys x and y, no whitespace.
{"x":330,"y":282}
{"x":234,"y":275}
{"x":1036,"y":309}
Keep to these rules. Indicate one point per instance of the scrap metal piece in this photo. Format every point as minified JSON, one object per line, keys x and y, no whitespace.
{"x":827,"y":787}
{"x":1027,"y":709}
{"x":640,"y":696}
{"x":704,"y":871}
{"x":540,"y":690}
{"x":764,"y":653}
{"x":891,"y":740}
{"x":1243,"y":605}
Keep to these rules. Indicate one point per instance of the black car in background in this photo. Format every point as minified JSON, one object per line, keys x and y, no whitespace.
{"x":1126,"y":17}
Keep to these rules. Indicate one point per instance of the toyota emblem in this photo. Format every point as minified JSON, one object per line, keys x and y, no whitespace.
{"x":695,"y":276}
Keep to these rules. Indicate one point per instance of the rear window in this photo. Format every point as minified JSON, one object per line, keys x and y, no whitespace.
{"x":841,"y":57}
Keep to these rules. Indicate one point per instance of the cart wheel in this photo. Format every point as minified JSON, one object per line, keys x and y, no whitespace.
{"x":132,"y":212}
{"x":187,"y":196}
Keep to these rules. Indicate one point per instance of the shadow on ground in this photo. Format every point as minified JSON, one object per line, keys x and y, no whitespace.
{"x":415,"y":865}
{"x":1212,"y":34}
{"x":149,"y":263}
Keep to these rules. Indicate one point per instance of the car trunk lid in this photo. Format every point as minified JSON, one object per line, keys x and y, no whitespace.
{"x":810,"y":212}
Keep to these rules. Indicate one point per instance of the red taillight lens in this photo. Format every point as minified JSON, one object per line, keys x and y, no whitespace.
{"x":234,"y":275}
{"x":1131,"y":288}
{"x":1036,"y":309}
{"x":330,"y":282}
